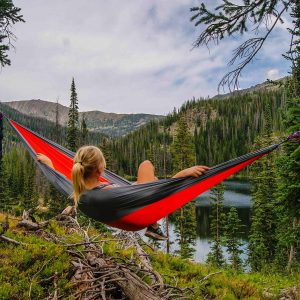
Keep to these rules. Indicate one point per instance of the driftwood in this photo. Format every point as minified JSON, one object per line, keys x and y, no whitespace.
{"x":291,"y":293}
{"x":130,"y":284}
{"x":29,"y":222}
{"x":132,"y":240}
{"x":208,"y":276}
{"x":96,"y":275}
{"x":69,"y":211}
{"x":9,"y":240}
{"x":29,"y":225}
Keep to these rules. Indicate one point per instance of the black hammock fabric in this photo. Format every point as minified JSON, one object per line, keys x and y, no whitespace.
{"x":127,"y":206}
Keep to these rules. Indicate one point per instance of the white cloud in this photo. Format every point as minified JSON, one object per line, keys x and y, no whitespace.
{"x":126,"y":56}
{"x":273,"y":74}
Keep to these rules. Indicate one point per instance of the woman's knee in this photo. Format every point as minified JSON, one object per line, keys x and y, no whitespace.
{"x":146,"y":163}
{"x":145,"y":172}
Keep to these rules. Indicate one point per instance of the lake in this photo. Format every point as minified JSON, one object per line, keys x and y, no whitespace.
{"x":237,"y":194}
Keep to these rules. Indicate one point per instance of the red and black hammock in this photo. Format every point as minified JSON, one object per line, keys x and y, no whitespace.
{"x":129,"y":207}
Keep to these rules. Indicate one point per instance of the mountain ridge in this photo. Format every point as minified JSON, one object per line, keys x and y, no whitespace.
{"x":112,"y":124}
{"x":109,"y":123}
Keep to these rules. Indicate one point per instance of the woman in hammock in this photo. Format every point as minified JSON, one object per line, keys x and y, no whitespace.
{"x":89,"y":164}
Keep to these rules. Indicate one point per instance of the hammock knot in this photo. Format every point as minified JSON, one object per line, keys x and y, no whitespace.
{"x":294,"y":136}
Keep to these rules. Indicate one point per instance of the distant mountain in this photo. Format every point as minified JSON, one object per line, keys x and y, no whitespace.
{"x":111,"y":124}
{"x":44,"y":127}
{"x":266,"y":86}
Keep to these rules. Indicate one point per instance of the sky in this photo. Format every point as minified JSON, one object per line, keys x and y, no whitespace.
{"x":132,"y":56}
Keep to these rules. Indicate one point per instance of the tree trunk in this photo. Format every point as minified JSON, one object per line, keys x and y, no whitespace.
{"x":292,"y":251}
{"x":1,"y":134}
{"x":167,"y":233}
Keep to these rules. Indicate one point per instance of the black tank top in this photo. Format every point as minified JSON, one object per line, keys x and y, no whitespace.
{"x":101,"y":186}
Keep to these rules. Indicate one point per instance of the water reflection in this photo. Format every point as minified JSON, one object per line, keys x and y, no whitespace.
{"x":237,"y":194}
{"x":203,"y":220}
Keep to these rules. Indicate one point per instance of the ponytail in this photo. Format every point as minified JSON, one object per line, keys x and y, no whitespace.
{"x":78,"y":181}
{"x":87,"y":159}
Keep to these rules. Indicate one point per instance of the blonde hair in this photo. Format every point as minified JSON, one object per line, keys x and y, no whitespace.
{"x":87,"y":159}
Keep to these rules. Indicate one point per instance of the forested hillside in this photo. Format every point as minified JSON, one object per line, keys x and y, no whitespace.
{"x":222,"y":129}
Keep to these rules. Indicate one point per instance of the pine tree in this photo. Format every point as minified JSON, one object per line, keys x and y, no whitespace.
{"x":106,"y":148}
{"x":183,"y":155}
{"x":72,"y":130}
{"x":2,"y":176}
{"x":185,"y":227}
{"x":288,"y":206}
{"x":1,"y":134}
{"x":57,"y":126}
{"x":288,"y":196}
{"x":288,"y":248}
{"x":29,"y":190}
{"x":56,"y":201}
{"x":4,"y":187}
{"x":262,"y":240}
{"x":215,"y":256}
{"x":183,"y":148}
{"x":13,"y":181}
{"x":83,"y":131}
{"x":233,"y":229}
{"x":6,"y":199}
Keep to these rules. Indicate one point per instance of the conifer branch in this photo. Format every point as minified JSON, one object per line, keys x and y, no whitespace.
{"x":230,"y":18}
{"x":9,"y":15}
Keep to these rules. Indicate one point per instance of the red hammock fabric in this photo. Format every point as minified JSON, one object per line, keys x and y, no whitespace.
{"x":61,"y":162}
{"x":151,"y":213}
{"x":130,"y":207}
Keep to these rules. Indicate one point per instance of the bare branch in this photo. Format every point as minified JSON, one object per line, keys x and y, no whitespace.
{"x":9,"y":240}
{"x":208,"y":276}
{"x":230,"y":18}
{"x":246,"y":50}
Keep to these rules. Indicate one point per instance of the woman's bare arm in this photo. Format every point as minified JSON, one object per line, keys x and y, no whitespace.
{"x":194,"y":171}
{"x":45,"y":160}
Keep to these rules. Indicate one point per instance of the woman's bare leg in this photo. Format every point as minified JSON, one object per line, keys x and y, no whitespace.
{"x":146,"y":174}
